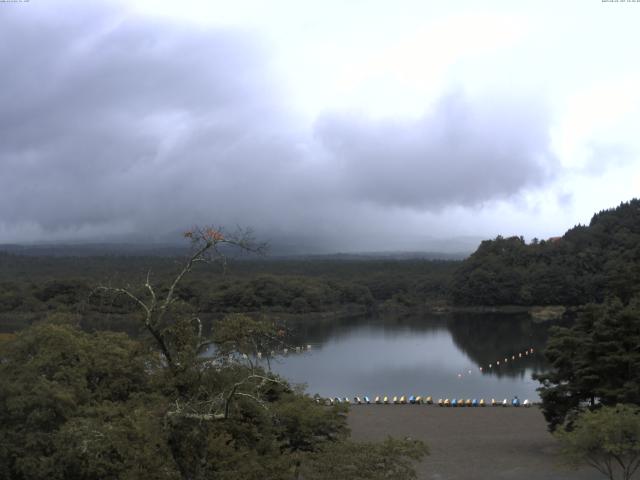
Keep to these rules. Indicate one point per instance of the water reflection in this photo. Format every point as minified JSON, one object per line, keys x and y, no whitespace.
{"x":438,"y":356}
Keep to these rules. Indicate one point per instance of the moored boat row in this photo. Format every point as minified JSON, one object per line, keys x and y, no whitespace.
{"x":427,"y":400}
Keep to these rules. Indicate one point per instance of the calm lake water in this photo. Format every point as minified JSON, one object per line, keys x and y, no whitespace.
{"x":434,"y":356}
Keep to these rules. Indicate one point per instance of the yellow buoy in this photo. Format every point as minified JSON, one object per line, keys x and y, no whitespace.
{"x":386,"y":399}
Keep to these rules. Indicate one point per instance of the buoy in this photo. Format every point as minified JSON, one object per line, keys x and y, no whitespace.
{"x":506,"y":360}
{"x":259,"y":354}
{"x":526,"y":403}
{"x":440,"y":402}
{"x":386,"y":399}
{"x":273,"y":353}
{"x":403,"y":399}
{"x":328,"y":402}
{"x":461,"y":402}
{"x":447,"y":403}
{"x":430,"y":400}
{"x":493,"y":402}
{"x":519,"y":355}
{"x":366,"y":400}
{"x":513,"y":357}
{"x":505,"y":403}
{"x":489,"y":365}
{"x":474,"y":402}
{"x":482,"y":404}
{"x":412,"y":399}
{"x":308,"y":347}
{"x":286,"y":350}
{"x":480,"y":368}
{"x":377,"y":400}
{"x":459,"y":375}
{"x":498,"y":362}
{"x":532,"y":350}
{"x":395,"y":399}
{"x":454,"y":403}
{"x":469,"y":372}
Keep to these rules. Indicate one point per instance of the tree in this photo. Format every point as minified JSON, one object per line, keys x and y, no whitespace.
{"x":594,"y":362}
{"x":101,"y":406}
{"x":608,"y":439}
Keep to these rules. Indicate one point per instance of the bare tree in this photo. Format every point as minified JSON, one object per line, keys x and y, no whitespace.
{"x":208,"y":245}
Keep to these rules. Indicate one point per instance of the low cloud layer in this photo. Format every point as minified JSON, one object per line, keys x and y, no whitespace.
{"x":119,"y":125}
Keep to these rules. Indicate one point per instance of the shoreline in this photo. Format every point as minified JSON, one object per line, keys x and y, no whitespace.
{"x":470,"y":443}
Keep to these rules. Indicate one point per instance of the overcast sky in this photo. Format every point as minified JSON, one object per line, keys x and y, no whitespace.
{"x":364,"y":125}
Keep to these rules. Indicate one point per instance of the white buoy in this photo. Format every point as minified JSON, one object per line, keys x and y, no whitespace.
{"x":259,"y":354}
{"x":286,"y":350}
{"x":308,"y":347}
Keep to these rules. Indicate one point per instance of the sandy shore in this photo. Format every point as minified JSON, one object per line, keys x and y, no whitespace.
{"x":470,"y":443}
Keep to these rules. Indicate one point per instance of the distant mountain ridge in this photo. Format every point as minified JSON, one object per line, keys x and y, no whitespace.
{"x":587,"y":264}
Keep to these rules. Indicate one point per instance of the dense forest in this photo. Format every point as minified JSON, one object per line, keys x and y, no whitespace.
{"x":34,"y":288}
{"x":586,"y":265}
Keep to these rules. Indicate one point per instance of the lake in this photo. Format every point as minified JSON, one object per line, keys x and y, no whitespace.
{"x":441,"y":356}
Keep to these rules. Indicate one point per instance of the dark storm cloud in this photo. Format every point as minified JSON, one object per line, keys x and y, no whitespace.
{"x":113,"y":123}
{"x":460,"y":153}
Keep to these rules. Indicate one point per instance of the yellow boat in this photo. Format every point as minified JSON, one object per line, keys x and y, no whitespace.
{"x":403,"y":399}
{"x":447,"y":403}
{"x":429,"y":400}
{"x":385,"y":400}
{"x":482,"y":402}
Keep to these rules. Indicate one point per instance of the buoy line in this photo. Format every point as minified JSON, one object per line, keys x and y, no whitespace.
{"x":494,"y":365}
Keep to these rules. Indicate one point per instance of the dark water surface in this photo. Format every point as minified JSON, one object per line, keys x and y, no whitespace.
{"x":429,"y":355}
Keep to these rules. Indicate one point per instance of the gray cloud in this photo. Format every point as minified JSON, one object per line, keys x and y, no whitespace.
{"x":117,"y":124}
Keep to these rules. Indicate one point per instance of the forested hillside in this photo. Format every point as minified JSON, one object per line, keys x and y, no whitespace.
{"x":587,"y":264}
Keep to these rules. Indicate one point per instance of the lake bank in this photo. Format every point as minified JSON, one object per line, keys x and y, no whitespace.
{"x":470,"y":443}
